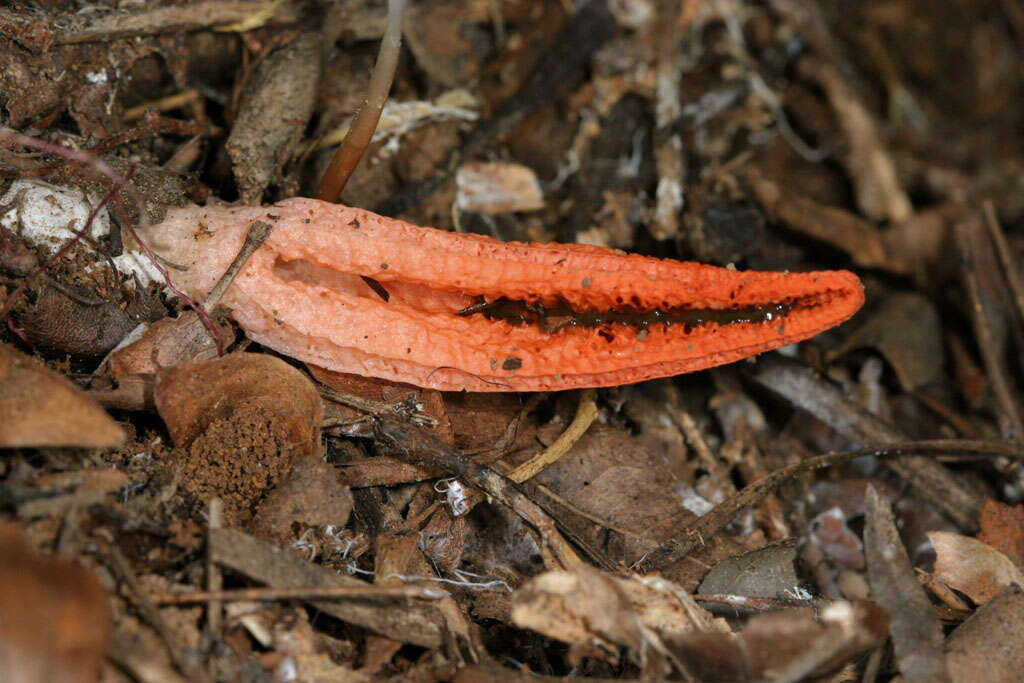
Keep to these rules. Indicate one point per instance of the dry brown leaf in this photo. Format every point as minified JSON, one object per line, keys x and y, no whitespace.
{"x":916,"y":632}
{"x":1002,"y":527}
{"x":38,"y":407}
{"x":766,"y":572}
{"x":311,"y":494}
{"x":164,"y":344}
{"x":972,"y":567}
{"x":55,"y":625}
{"x":788,"y":645}
{"x":987,"y":647}
{"x":597,"y":613}
{"x":584,"y":608}
{"x":872,"y":171}
{"x":906,"y":330}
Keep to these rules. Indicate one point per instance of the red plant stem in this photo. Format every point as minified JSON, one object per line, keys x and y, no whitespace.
{"x":82,"y":157}
{"x":347,"y":157}
{"x":203,"y":315}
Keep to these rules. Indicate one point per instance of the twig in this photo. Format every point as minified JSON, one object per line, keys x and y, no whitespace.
{"x":214,"y":579}
{"x":995,"y":231}
{"x":416,"y":446}
{"x":688,"y":426}
{"x":185,"y":663}
{"x":175,"y":101}
{"x":970,"y":244}
{"x":257,"y":235}
{"x":806,"y":390}
{"x":347,"y":157}
{"x":299,"y":593}
{"x":586,"y":413}
{"x":706,"y":526}
{"x":376,"y":408}
{"x":668,"y":143}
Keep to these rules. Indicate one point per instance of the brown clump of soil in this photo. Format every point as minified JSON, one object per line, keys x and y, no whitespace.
{"x":239,"y":457}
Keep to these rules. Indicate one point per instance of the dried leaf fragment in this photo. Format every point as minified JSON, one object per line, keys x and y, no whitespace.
{"x":972,"y":567}
{"x":986,"y":647}
{"x":55,"y":625}
{"x":597,"y":612}
{"x":916,"y":633}
{"x":497,"y":187}
{"x":38,"y":407}
{"x":787,"y":645}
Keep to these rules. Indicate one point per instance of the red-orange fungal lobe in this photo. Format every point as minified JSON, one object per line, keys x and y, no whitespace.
{"x":567,"y":315}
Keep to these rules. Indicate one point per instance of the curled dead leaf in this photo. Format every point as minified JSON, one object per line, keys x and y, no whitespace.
{"x":791,"y":645}
{"x":972,"y":567}
{"x":597,"y":612}
{"x":55,"y":625}
{"x":38,"y":407}
{"x":163,"y":344}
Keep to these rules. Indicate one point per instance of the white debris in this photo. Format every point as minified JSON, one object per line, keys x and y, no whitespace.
{"x":797,"y":593}
{"x":455,"y":495}
{"x":693,"y":501}
{"x":497,"y":187}
{"x":135,"y":263}
{"x":46,"y":214}
{"x":398,"y":118}
{"x":96,"y":77}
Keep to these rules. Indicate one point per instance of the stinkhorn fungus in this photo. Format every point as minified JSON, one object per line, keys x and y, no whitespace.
{"x":454,"y":311}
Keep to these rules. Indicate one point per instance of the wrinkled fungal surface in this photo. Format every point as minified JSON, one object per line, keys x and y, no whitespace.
{"x":355,"y":292}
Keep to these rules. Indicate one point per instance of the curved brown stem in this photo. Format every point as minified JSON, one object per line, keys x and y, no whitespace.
{"x":365,"y":123}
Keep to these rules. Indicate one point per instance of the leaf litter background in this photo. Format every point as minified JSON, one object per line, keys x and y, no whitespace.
{"x":718,"y":526}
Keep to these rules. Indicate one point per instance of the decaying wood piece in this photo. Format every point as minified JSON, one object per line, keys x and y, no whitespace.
{"x":916,"y":633}
{"x":419,"y":624}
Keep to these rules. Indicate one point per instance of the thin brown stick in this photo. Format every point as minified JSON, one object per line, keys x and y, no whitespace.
{"x":347,"y":157}
{"x":414,"y":445}
{"x":969,"y":243}
{"x":175,"y":101}
{"x":995,"y":231}
{"x":297,"y":593}
{"x":183,"y":659}
{"x":377,"y":408}
{"x":688,"y":426}
{"x":703,"y":528}
{"x":214,"y":578}
{"x":257,"y":235}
